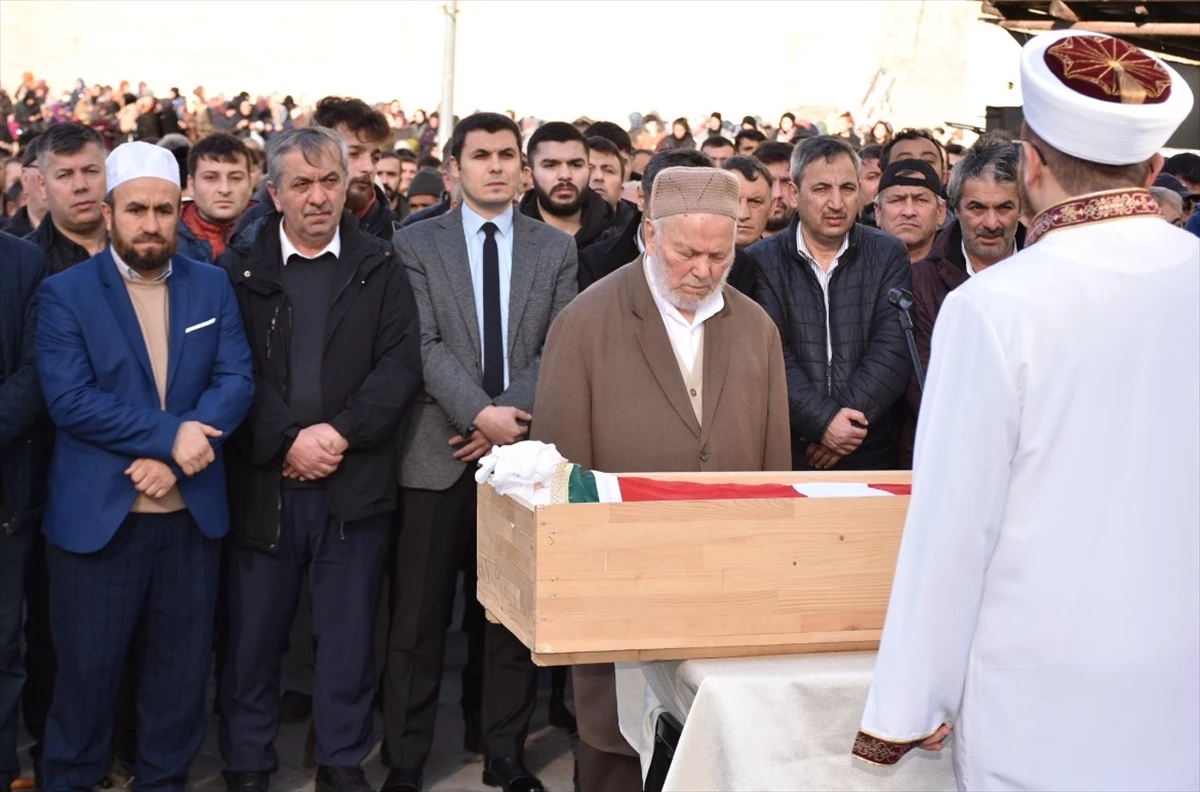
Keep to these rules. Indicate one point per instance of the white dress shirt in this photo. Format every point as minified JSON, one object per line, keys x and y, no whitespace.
{"x":289,"y":250}
{"x":685,"y":336}
{"x":823,"y":277}
{"x":473,"y":228}
{"x":971,"y":273}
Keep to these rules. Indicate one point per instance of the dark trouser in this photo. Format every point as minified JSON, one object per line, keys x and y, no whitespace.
{"x":40,"y":663}
{"x":41,"y":666}
{"x":435,"y":528}
{"x":221,"y":619}
{"x":345,"y":563}
{"x":156,"y":579}
{"x":474,"y":624}
{"x":297,"y":666}
{"x":125,"y":725}
{"x":14,"y":555}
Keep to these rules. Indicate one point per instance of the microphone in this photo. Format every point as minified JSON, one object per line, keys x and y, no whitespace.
{"x":902,"y":300}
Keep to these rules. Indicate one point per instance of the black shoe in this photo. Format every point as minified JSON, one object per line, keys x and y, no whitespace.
{"x":511,"y":774}
{"x":472,"y":732}
{"x":247,"y":782}
{"x":402,"y":781}
{"x":294,"y":706}
{"x":341,"y":779}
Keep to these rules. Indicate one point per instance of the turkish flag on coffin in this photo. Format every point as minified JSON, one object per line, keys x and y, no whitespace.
{"x":608,"y":489}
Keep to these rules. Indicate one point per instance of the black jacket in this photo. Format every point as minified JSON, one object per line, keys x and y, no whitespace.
{"x":596,"y":218}
{"x":380,"y":221}
{"x":671,"y":143}
{"x":626,"y":214}
{"x":19,"y":225}
{"x":370,"y":373}
{"x":870,"y":366}
{"x":602,"y":259}
{"x":149,"y":126}
{"x":744,"y":275}
{"x":26,"y":433}
{"x":437,"y":210}
{"x":608,"y":256}
{"x":61,"y":252}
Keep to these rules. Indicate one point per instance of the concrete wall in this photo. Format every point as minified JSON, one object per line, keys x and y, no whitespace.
{"x":553,"y":59}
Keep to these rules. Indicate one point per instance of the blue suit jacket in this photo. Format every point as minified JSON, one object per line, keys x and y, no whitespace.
{"x":99,"y":388}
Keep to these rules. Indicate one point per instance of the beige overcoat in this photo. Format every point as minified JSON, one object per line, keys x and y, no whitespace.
{"x":612,"y":398}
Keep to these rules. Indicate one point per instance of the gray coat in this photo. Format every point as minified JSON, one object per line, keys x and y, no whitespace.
{"x":543,"y":281}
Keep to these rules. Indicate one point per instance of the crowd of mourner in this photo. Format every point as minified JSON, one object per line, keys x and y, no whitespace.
{"x":251,"y":352}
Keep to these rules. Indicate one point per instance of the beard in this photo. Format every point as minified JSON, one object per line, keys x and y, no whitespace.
{"x":777,"y":224}
{"x":140,"y":262}
{"x":553,"y":205}
{"x":675,"y":295}
{"x":974,"y":248}
{"x":358,"y":194}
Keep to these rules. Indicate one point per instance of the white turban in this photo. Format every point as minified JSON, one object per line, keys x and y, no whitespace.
{"x":1099,"y":98}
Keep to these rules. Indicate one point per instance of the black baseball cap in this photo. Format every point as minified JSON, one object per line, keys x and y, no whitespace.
{"x":1175,"y":185}
{"x":917,"y":173}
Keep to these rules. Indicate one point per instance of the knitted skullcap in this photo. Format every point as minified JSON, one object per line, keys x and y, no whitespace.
{"x":684,"y":190}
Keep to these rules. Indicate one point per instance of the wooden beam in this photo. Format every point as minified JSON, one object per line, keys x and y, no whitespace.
{"x":1060,"y":10}
{"x":1186,"y":29}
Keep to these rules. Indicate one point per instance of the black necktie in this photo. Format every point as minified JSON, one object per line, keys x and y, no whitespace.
{"x":493,"y":333}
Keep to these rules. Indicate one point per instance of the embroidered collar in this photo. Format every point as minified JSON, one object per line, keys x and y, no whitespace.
{"x":1092,"y":208}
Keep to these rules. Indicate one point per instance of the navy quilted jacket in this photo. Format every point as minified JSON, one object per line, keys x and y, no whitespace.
{"x":870,"y":366}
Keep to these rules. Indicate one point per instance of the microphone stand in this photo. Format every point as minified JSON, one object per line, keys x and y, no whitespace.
{"x":902,"y":301}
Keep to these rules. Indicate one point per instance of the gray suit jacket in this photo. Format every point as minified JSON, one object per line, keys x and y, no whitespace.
{"x":434,"y":253}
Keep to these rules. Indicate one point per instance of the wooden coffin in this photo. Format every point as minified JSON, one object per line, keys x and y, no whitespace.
{"x":618,"y":582}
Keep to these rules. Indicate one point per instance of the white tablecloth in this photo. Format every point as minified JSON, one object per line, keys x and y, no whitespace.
{"x":766,"y":723}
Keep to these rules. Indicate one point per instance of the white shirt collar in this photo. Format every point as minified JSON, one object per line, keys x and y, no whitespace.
{"x":129,"y":273}
{"x":803,"y":248}
{"x":709,"y":307}
{"x":289,"y":250}
{"x":971,"y":273}
{"x":473,"y":221}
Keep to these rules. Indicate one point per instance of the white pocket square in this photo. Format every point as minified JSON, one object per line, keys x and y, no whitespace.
{"x":200,"y":326}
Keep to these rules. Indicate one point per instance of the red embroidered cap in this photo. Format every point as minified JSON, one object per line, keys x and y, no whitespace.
{"x":1100,"y":98}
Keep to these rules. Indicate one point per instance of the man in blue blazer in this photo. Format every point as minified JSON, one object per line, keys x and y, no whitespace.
{"x":145,"y":370}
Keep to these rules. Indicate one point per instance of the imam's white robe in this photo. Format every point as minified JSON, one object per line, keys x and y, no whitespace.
{"x":1047,"y":595}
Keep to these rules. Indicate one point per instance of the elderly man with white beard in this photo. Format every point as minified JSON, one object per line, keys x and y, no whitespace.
{"x":658,"y":367}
